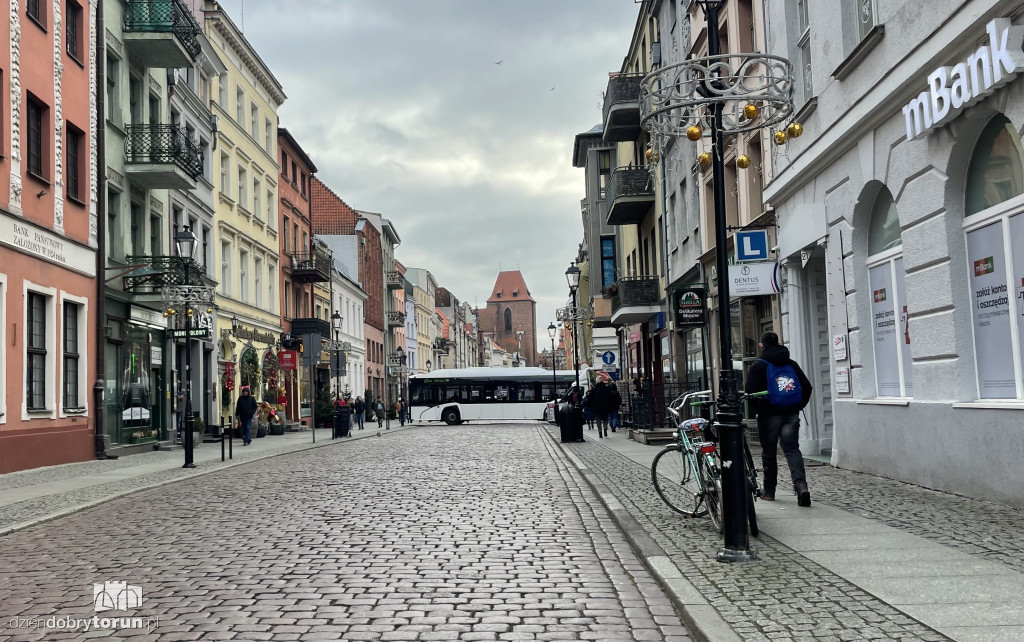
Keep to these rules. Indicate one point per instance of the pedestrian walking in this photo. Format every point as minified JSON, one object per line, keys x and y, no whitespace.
{"x":588,"y":411}
{"x":778,"y":414}
{"x":378,"y":409}
{"x":245,"y":410}
{"x":614,"y":403}
{"x":359,"y":407}
{"x":601,"y":404}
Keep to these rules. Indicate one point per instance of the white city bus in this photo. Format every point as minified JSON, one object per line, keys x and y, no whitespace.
{"x":457,"y":395}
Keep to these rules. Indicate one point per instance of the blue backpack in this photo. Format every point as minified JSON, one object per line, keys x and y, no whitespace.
{"x":784,"y":390}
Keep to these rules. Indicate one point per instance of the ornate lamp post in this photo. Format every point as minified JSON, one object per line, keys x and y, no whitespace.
{"x":187,"y":296}
{"x":709,"y":97}
{"x":572,"y":275}
{"x":552,"y":331}
{"x":336,"y":324}
{"x":400,"y":371}
{"x":428,"y":365}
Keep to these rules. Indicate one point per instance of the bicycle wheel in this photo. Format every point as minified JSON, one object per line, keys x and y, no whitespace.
{"x":712,"y":491}
{"x":676,"y":481}
{"x":753,"y":491}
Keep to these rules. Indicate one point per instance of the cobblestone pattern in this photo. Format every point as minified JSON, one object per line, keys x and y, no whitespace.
{"x":205,"y":459}
{"x":783,"y":596}
{"x":443,"y":533}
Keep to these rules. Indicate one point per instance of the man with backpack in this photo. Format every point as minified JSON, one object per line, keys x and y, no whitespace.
{"x":778,"y":414}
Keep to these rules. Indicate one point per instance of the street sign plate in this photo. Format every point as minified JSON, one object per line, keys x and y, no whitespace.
{"x":752,"y":245}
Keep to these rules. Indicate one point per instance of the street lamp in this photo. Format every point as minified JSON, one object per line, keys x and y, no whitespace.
{"x":572,"y":275}
{"x":336,"y":323}
{"x":186,"y":243}
{"x":428,"y":365}
{"x":400,"y":372}
{"x":552,"y":331}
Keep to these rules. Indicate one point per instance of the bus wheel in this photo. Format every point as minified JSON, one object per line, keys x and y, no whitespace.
{"x":451,"y":416}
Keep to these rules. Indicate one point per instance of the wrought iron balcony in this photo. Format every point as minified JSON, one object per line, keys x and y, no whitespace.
{"x":440,"y":345}
{"x":636,"y":300}
{"x":162,"y":157}
{"x":630,"y":195}
{"x":394,"y":280}
{"x":311,"y":325}
{"x":311,"y":267}
{"x":622,"y":108}
{"x":161,"y":33}
{"x":150,"y":274}
{"x":396,"y":319}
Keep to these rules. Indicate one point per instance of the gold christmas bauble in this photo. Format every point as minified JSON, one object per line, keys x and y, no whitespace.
{"x":751,"y":111}
{"x":694,"y":133}
{"x":779,"y":138}
{"x":794,"y":130}
{"x":704,"y":159}
{"x":743,"y":161}
{"x":651,"y":155}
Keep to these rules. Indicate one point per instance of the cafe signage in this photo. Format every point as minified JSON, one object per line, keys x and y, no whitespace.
{"x":690,"y":305}
{"x":951,"y":89}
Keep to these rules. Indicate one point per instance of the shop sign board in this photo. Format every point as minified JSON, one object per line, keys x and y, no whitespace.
{"x":288,"y":359}
{"x":754,"y":279}
{"x":951,"y":89}
{"x":690,"y":305}
{"x":839,"y":347}
{"x":842,"y":380}
{"x":752,"y":245}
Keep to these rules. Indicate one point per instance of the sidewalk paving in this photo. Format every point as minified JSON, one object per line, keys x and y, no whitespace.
{"x":38,"y":495}
{"x":948,"y":586}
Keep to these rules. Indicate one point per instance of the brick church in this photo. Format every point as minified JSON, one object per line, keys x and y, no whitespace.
{"x":510,"y":316}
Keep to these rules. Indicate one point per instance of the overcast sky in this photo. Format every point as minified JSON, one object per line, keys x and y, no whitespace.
{"x":401,"y":105}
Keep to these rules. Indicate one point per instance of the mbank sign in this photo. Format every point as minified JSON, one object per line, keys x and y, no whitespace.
{"x":950,"y":89}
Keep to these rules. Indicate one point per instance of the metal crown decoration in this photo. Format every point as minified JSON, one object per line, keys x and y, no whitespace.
{"x":187,"y":295}
{"x":679,"y":97}
{"x":570,"y":313}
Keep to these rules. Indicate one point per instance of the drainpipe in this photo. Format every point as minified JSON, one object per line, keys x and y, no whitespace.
{"x":101,"y":235}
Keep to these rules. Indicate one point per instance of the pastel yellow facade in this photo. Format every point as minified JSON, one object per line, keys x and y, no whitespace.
{"x":246,"y":250}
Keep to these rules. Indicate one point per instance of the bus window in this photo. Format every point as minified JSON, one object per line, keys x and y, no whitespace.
{"x":528,"y":392}
{"x":476,"y":394}
{"x":501,"y":393}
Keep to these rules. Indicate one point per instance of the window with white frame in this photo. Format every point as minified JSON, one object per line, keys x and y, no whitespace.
{"x":994,"y":228}
{"x":36,"y":330}
{"x":243,"y":275}
{"x":73,"y":343}
{"x":271,"y":216}
{"x":865,"y":16}
{"x":225,"y":173}
{"x":254,"y":121}
{"x":240,"y":107}
{"x":225,"y":268}
{"x":257,"y":195}
{"x":803,"y":45}
{"x":272,"y":286}
{"x":889,"y":319}
{"x":243,"y":180}
{"x":257,"y":272}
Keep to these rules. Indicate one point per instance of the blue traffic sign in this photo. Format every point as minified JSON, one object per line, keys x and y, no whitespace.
{"x":608,"y":357}
{"x":752,"y":245}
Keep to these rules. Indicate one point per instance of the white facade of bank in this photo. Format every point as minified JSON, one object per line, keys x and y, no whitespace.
{"x":904,"y":255}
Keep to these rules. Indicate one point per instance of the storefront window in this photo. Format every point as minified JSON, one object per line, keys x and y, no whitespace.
{"x":135,"y":390}
{"x":995,"y":174}
{"x":995,"y":261}
{"x":889,"y":320}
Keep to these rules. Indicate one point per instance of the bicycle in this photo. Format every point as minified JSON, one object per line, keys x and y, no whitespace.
{"x":700,"y":478}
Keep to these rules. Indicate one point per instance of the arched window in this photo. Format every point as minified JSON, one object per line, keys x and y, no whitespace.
{"x":889,"y":319}
{"x":508,"y":320}
{"x":995,"y":259}
{"x":995,"y":174}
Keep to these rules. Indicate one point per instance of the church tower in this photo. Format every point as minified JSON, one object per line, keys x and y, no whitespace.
{"x":510,"y":318}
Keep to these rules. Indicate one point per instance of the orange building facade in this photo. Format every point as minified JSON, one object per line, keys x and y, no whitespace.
{"x":48,"y":243}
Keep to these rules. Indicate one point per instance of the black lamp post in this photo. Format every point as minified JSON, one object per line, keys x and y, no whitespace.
{"x":401,"y":358}
{"x":186,"y":243}
{"x":552,"y":331}
{"x":336,"y":323}
{"x":572,"y":275}
{"x":428,"y":365}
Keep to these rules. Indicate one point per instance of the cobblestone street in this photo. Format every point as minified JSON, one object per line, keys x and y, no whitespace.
{"x":434,"y":533}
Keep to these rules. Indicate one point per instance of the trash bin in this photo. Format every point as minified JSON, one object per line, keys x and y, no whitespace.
{"x":342,"y":415}
{"x":570,"y":422}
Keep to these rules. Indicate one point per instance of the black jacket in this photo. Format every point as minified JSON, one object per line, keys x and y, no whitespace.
{"x":757,"y":379}
{"x":245,"y":409}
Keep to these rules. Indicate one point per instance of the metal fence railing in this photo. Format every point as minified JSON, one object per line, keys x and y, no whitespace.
{"x":646,"y":409}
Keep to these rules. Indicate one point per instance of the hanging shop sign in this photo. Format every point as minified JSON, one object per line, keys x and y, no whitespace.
{"x":754,"y":279}
{"x":690,"y":305}
{"x":201,"y":327}
{"x":288,"y":359}
{"x":951,"y":89}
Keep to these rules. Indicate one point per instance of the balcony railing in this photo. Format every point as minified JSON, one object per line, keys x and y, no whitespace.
{"x":163,"y":17}
{"x":162,"y":156}
{"x":311,"y":267}
{"x":396,"y":319}
{"x":630,"y":195}
{"x":394,"y":281}
{"x":440,"y":345}
{"x":622,"y":108}
{"x":311,"y":325}
{"x":636,"y":300}
{"x":150,"y":274}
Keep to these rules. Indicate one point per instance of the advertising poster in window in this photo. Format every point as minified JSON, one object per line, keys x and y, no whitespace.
{"x":903,"y":327}
{"x":991,"y":312}
{"x":885,"y":324}
{"x":1017,"y":243}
